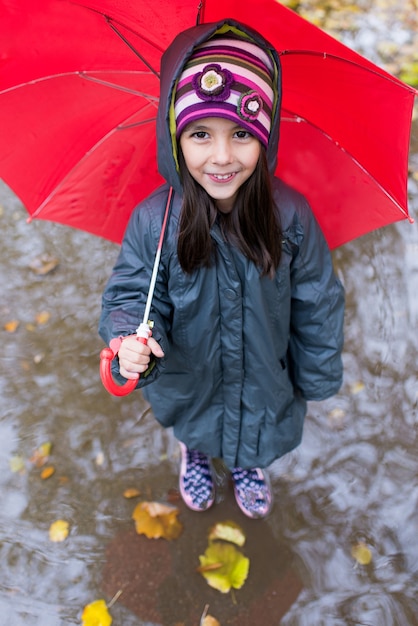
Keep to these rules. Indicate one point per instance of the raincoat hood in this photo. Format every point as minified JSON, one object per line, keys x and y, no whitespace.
{"x":172,"y":63}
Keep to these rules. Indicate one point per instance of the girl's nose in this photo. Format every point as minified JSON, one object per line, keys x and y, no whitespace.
{"x":222,"y":153}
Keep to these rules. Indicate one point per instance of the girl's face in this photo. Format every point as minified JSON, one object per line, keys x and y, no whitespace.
{"x":221,"y":156}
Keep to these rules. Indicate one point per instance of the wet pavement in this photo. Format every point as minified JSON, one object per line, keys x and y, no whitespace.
{"x":353,"y":480}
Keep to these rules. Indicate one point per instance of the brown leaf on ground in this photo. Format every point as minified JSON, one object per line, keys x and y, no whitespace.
{"x":43,"y":264}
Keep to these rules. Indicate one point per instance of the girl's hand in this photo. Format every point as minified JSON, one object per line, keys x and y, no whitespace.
{"x":134,"y":356}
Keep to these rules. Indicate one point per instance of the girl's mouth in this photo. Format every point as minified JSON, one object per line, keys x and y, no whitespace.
{"x":221,"y":178}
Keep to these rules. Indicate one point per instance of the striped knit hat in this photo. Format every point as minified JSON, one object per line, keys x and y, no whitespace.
{"x":230,"y":78}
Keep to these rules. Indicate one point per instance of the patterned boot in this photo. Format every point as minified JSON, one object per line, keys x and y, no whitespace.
{"x":196,"y":483}
{"x":252,"y":492}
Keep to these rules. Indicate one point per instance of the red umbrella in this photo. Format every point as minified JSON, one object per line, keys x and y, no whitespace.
{"x":79,"y":91}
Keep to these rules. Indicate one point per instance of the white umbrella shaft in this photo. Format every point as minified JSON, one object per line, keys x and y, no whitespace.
{"x":143,"y":328}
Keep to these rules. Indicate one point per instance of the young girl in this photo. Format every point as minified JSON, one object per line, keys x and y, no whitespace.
{"x":247,"y":312}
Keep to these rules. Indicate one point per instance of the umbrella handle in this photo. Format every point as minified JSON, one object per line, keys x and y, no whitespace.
{"x":106,"y":357}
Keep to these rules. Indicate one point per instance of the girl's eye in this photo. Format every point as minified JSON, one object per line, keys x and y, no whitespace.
{"x":200,"y":134}
{"x":243,"y":134}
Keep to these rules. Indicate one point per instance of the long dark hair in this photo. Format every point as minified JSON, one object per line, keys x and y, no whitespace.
{"x":253,"y":225}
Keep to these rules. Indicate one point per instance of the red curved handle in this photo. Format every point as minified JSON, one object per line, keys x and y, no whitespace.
{"x":106,"y":357}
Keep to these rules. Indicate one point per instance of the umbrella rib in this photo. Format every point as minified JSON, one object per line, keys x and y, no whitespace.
{"x":378,"y":72}
{"x":86,"y":76}
{"x":35,"y":81}
{"x":107,"y":83}
{"x":297,"y":119}
{"x":135,"y":124}
{"x":128,"y":43}
{"x":112,"y":24}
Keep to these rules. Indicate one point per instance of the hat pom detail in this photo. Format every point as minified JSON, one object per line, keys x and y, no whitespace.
{"x":213,"y":83}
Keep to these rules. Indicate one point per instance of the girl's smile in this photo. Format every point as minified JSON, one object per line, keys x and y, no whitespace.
{"x":222,"y":178}
{"x":221,"y":156}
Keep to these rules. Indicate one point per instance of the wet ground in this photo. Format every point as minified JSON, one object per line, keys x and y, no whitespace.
{"x":353,"y":480}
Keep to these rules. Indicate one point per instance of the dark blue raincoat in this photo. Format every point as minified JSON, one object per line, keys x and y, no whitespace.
{"x":243,"y":353}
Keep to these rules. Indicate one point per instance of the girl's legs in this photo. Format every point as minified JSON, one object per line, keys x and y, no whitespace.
{"x":252,"y":492}
{"x":196,"y":483}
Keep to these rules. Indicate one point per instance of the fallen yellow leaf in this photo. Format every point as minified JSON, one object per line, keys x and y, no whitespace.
{"x":234,"y":567}
{"x":42,"y":318}
{"x":210,"y":621}
{"x":11,"y":326}
{"x":96,"y":614}
{"x":228,"y":531}
{"x":337,"y":418}
{"x":337,"y":414}
{"x":17,"y":464}
{"x":47,"y":472}
{"x":58,"y":531}
{"x":131,"y":493}
{"x":357,"y":387}
{"x":361,"y":553}
{"x":41,"y":454}
{"x":157,"y":509}
{"x":155,"y":520}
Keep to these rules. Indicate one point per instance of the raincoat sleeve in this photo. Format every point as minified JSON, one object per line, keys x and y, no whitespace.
{"x":125,"y":295}
{"x":317,"y":312}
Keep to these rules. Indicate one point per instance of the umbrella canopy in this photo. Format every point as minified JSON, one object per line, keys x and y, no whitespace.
{"x":79,"y":92}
